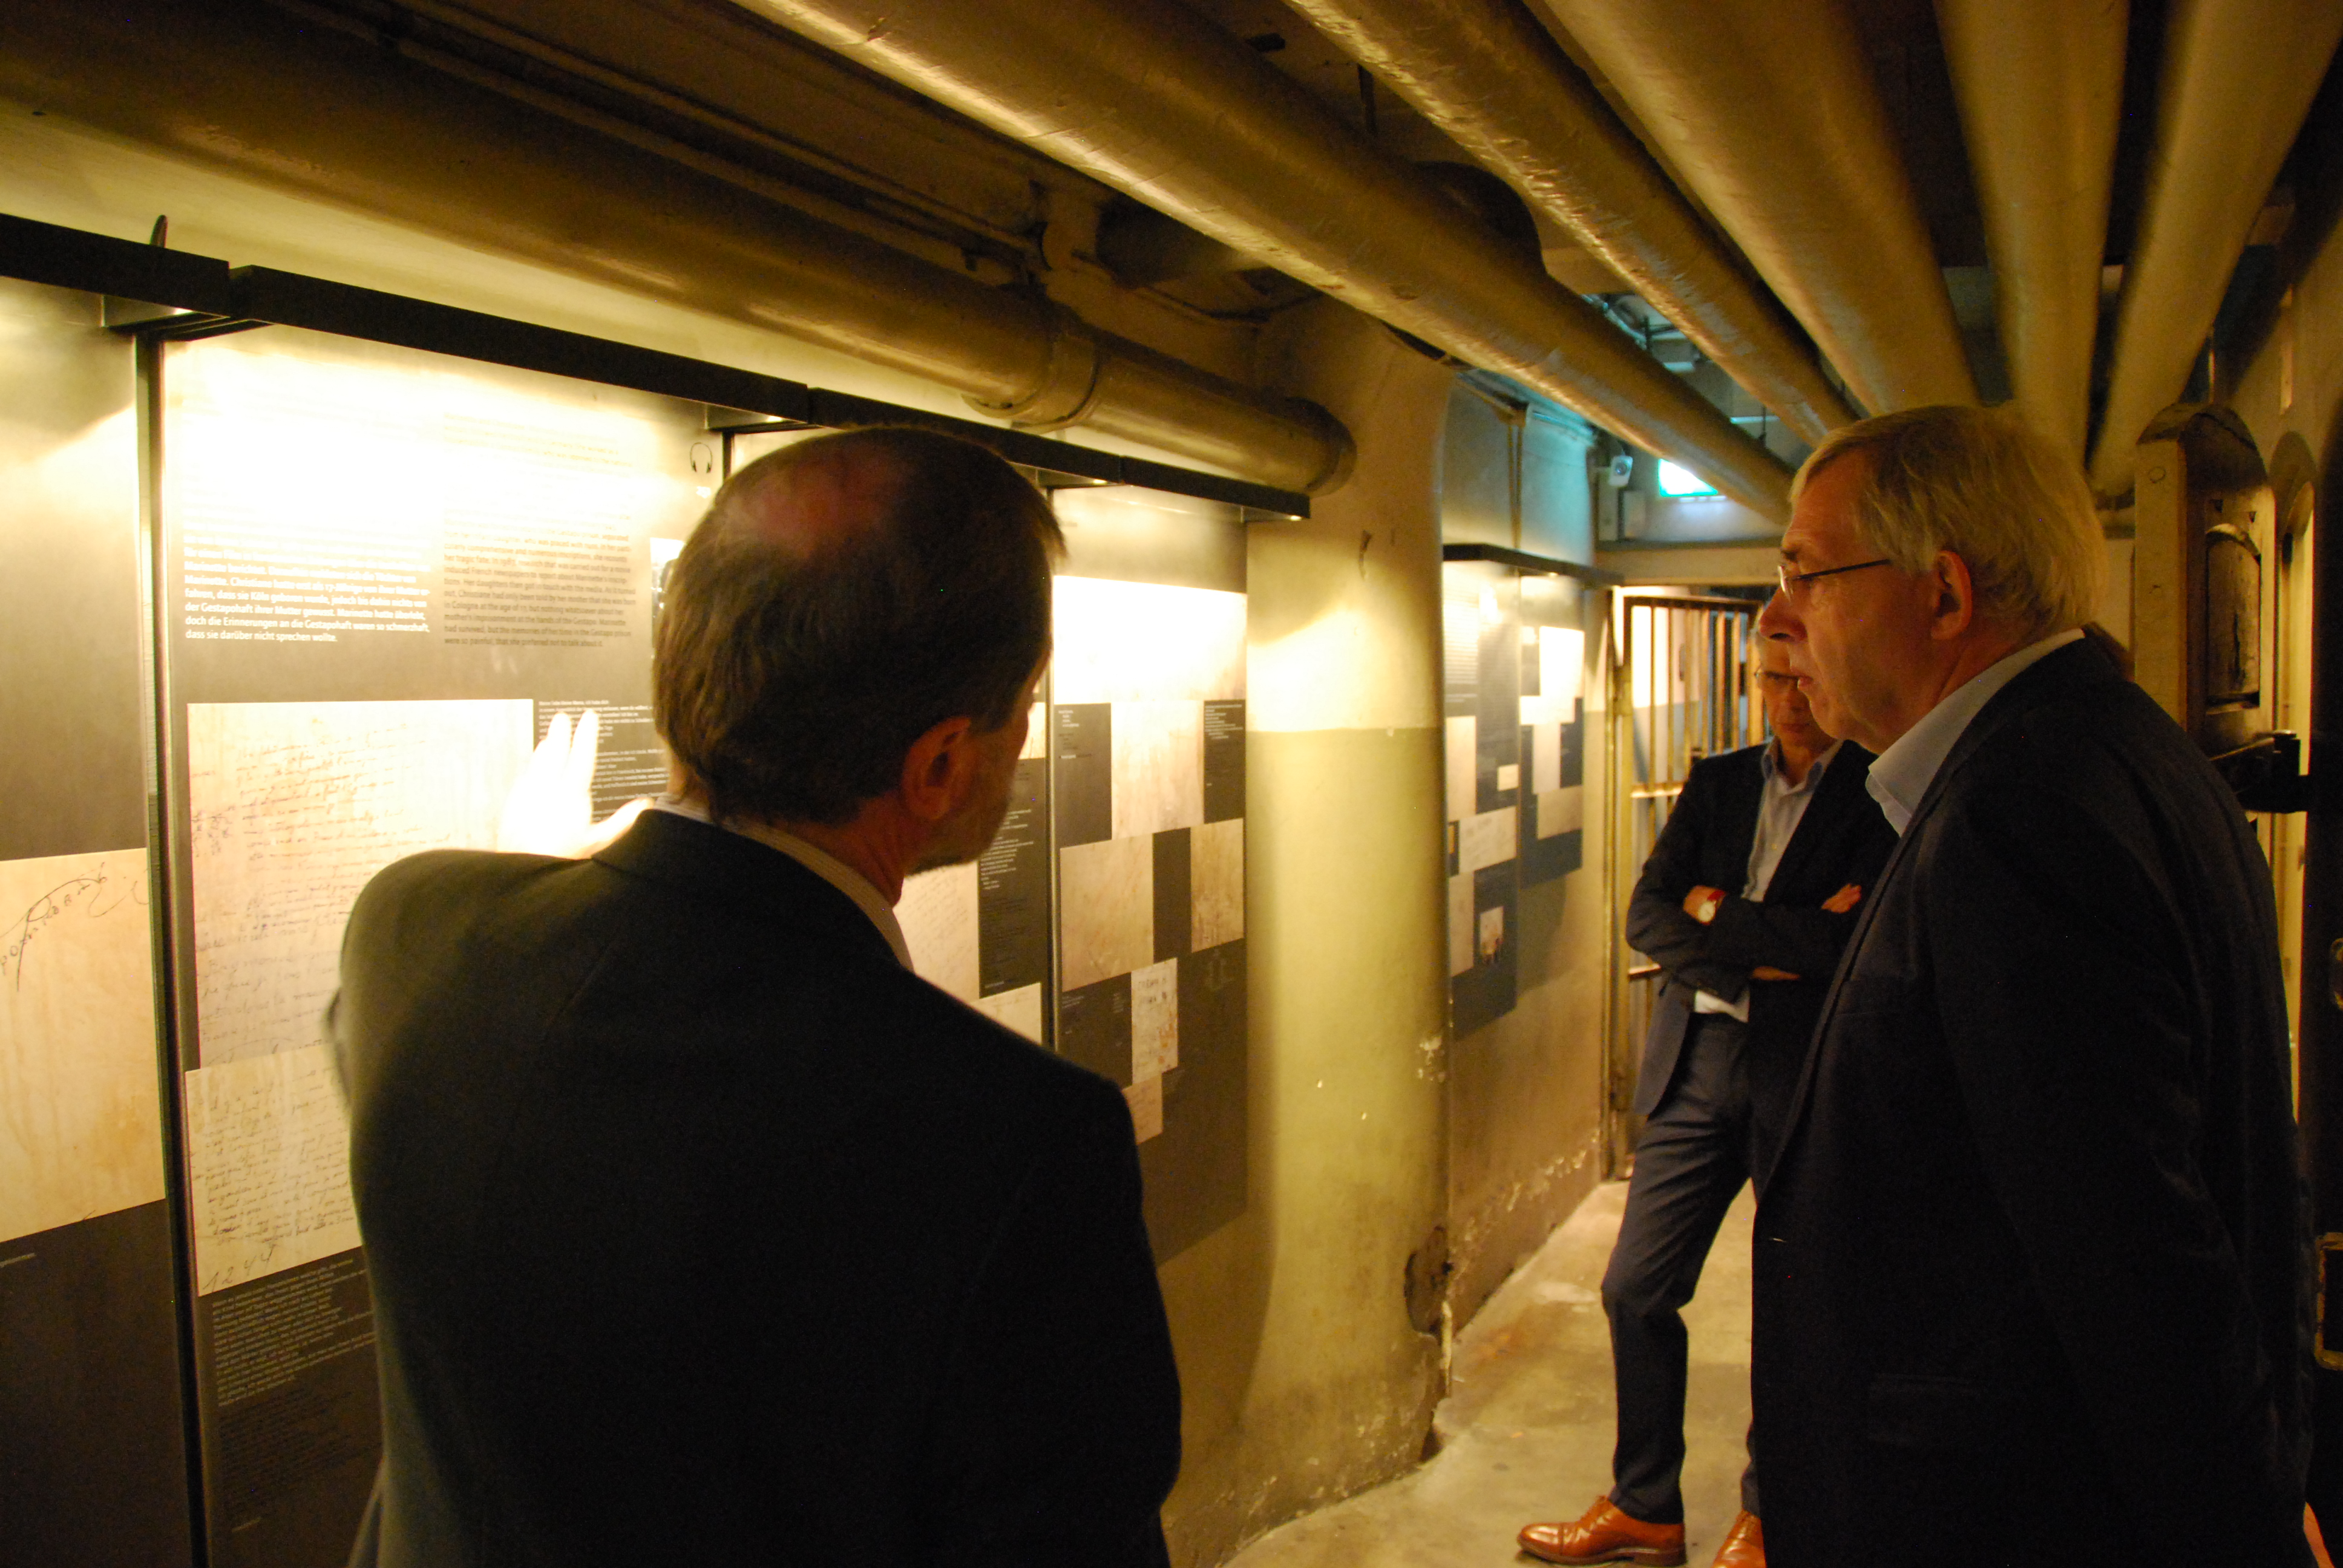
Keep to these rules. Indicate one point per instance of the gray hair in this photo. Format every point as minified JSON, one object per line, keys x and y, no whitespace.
{"x":1987,"y":487}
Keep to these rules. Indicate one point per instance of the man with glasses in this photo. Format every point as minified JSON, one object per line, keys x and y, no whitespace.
{"x":1745,"y":903}
{"x":2031,"y":1264}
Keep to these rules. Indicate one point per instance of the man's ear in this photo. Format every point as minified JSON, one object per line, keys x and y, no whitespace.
{"x":1954,"y":607}
{"x":939,"y":769}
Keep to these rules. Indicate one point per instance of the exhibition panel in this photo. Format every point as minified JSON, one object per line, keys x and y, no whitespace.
{"x":1124,"y":851}
{"x":1516,"y":759}
{"x":1147,"y":695}
{"x":386,"y":573}
{"x":294,"y":577}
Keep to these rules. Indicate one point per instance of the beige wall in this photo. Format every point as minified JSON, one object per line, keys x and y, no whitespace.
{"x":2290,"y":392}
{"x":1303,"y":1377}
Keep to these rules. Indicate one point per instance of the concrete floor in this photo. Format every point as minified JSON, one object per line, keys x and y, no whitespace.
{"x":1526,"y":1427}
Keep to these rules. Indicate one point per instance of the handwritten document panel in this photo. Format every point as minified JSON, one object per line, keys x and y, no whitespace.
{"x":937,"y":913}
{"x":80,"y":1105}
{"x":1019,"y":1010}
{"x":293,"y":807}
{"x":268,"y":1167}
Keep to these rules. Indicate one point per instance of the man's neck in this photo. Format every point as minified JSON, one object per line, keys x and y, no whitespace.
{"x":1971,"y":656}
{"x":854,"y":844}
{"x":864,"y":843}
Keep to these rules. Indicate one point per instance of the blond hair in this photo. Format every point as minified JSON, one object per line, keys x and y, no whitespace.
{"x":1985,"y":485}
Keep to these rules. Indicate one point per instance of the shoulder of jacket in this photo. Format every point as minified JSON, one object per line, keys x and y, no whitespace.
{"x":1726,"y":765}
{"x":987,"y":1047}
{"x":2066,"y":736}
{"x":446,"y":872}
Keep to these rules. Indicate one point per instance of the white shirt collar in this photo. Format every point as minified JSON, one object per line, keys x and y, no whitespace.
{"x":1900,"y":775}
{"x":814,"y":859}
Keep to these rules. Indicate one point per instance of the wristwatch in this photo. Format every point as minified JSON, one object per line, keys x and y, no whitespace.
{"x":1708,"y":908}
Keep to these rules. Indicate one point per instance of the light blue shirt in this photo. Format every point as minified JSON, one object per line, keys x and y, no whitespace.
{"x":1781,"y":806}
{"x":1900,"y":775}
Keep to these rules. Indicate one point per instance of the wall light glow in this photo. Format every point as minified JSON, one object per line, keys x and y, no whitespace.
{"x":1675,"y":479}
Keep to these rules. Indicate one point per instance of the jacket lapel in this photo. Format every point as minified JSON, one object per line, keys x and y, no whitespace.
{"x":1840,"y":782}
{"x":1727,"y":856}
{"x":2077,"y":665}
{"x":1846,"y":959}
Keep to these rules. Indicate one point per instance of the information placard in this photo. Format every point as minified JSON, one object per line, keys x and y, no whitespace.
{"x":1515,"y":738}
{"x":386,"y":573}
{"x":1147,"y":733}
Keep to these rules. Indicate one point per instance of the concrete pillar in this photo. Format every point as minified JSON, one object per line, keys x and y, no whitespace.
{"x":1304,"y":1378}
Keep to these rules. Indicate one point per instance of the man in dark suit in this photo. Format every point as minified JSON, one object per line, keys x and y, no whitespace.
{"x":1745,"y":903}
{"x":2031,"y":1263}
{"x":700,"y":1230}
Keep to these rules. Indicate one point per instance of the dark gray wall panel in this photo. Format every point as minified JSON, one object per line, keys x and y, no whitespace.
{"x":71,"y":740}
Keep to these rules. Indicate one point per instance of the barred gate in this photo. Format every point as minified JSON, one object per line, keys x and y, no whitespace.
{"x":1683,"y":686}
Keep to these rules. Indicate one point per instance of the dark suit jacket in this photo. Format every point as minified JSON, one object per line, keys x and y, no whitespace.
{"x":1841,"y":838}
{"x":2033,"y":1251}
{"x":702,"y":1232}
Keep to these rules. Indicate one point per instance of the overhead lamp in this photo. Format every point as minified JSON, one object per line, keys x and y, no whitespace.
{"x":1679,"y":481}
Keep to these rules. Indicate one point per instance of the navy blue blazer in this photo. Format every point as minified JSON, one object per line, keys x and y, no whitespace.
{"x":2033,"y":1259}
{"x":1841,"y":838}
{"x":702,"y":1232}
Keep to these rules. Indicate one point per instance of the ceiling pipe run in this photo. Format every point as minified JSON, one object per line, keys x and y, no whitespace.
{"x":2040,"y":90}
{"x":324,"y":115}
{"x":1152,"y":98}
{"x":1770,"y":112}
{"x":2238,"y":77}
{"x":1488,"y":74}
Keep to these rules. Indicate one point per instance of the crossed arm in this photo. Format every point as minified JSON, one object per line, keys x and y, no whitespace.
{"x":1743,"y":940}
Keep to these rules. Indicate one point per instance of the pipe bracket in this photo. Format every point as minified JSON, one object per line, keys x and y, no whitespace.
{"x":1069,"y":388}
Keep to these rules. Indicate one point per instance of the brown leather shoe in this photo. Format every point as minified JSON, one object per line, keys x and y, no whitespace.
{"x":1604,"y":1534}
{"x":1744,"y":1543}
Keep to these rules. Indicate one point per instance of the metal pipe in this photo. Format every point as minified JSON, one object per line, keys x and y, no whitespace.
{"x":1152,"y":98}
{"x":327,"y":117}
{"x":2238,"y":77}
{"x":1493,"y":77}
{"x":1770,"y":114}
{"x":2041,"y":89}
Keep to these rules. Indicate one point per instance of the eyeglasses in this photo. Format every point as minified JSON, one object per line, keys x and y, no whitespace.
{"x":1791,"y":582}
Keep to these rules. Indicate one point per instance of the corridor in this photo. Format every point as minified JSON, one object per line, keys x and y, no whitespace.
{"x":1526,"y":1430}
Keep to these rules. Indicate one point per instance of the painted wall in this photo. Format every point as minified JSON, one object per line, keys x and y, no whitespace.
{"x":1305,"y":1379}
{"x":2287,"y":387}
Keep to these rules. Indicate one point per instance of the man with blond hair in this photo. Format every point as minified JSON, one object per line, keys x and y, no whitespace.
{"x":2031,"y":1265}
